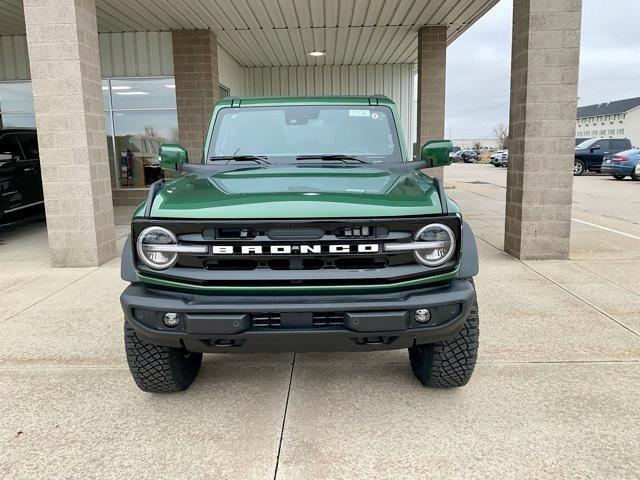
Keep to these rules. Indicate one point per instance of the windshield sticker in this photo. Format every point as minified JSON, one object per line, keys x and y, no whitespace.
{"x":359,"y":113}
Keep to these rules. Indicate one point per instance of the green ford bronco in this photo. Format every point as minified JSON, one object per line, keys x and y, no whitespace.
{"x":306,"y":226}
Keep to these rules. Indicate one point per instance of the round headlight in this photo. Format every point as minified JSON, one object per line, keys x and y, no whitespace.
{"x":150,"y":248}
{"x":444,"y":245}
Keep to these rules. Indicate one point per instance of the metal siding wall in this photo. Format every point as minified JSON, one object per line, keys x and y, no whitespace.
{"x":394,"y":81}
{"x":230,"y":73}
{"x":136,"y":54}
{"x":14,"y":59}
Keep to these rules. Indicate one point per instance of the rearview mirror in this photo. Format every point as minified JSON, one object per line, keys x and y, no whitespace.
{"x":436,"y":153}
{"x":7,"y":157}
{"x":171,"y":156}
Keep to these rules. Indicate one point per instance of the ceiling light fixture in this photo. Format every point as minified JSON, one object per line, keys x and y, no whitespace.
{"x":120,"y":87}
{"x":317,"y":53}
{"x":132,"y":93}
{"x":170,"y":86}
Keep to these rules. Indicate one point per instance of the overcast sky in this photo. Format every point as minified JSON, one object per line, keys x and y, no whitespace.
{"x":478,"y":64}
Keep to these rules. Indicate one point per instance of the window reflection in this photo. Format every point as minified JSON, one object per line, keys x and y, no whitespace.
{"x":142,"y":116}
{"x":16,"y":105}
{"x":138,"y":136}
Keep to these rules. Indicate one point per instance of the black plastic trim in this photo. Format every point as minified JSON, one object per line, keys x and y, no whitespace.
{"x":385,"y":317}
{"x":469,"y":260}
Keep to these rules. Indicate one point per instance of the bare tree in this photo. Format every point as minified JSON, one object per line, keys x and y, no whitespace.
{"x":477,"y":145}
{"x":501,"y":131}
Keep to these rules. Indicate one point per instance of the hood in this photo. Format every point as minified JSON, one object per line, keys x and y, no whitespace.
{"x":298,"y":192}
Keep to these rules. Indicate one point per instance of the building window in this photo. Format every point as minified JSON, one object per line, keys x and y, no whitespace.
{"x":621,"y":131}
{"x":140,"y":115}
{"x":16,"y":105}
{"x":603,"y":132}
{"x":612,"y":131}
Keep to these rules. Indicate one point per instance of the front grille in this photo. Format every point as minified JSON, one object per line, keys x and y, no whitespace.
{"x":328,"y":319}
{"x":266,"y":320}
{"x":308,"y":260}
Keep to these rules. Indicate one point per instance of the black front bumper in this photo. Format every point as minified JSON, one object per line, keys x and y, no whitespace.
{"x":298,"y":323}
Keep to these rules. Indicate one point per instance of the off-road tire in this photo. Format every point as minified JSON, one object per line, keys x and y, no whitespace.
{"x":619,"y":177}
{"x":449,"y":363}
{"x":158,"y":369}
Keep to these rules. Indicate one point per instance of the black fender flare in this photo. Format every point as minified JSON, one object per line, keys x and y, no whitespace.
{"x":127,"y":265}
{"x":469,"y":263}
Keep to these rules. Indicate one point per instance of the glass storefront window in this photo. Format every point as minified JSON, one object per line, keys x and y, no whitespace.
{"x":141,"y":113}
{"x":144,"y":93}
{"x":16,"y":105}
{"x":138,"y":136}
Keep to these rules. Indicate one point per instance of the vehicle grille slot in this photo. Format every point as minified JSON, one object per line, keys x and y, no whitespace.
{"x":266,"y":320}
{"x":362,"y":232}
{"x":328,"y":319}
{"x":235,"y":233}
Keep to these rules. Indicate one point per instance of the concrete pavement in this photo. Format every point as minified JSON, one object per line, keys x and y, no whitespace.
{"x":554,"y":395}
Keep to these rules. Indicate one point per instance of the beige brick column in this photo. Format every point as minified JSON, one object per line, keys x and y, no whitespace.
{"x":432,"y":70}
{"x":542,"y":123}
{"x":195,"y":63}
{"x":62,"y":38}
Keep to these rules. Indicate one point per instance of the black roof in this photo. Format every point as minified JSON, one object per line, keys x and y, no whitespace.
{"x":609,"y":108}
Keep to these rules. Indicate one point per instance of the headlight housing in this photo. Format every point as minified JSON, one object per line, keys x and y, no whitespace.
{"x":152,"y":248}
{"x":440,"y":235}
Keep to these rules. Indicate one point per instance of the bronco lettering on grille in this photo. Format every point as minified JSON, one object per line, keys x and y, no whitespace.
{"x":338,"y":249}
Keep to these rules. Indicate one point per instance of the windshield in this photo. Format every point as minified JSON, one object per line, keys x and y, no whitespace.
{"x":286,"y":132}
{"x":586,"y":144}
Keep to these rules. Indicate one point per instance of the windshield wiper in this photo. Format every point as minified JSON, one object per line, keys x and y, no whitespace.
{"x":240,"y":158}
{"x":338,"y":157}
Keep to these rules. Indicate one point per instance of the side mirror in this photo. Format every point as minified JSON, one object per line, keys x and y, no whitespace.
{"x":594,"y":148}
{"x":436,"y":153}
{"x":171,"y":156}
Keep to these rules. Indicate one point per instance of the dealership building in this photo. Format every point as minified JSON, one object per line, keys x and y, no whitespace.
{"x":107,"y":81}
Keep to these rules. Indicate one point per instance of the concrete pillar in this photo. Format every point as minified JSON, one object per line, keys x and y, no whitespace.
{"x":195,"y":63}
{"x":432,"y":74}
{"x":542,"y":123}
{"x":62,"y":37}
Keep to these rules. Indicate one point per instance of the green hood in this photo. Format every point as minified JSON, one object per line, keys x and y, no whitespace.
{"x":298,"y":192}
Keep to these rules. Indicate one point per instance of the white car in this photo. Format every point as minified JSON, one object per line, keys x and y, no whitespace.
{"x":500,"y":158}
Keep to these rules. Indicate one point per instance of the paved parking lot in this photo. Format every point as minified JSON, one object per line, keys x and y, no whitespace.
{"x":555,"y":393}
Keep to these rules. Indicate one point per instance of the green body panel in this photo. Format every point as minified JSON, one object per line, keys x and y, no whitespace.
{"x":296,"y":192}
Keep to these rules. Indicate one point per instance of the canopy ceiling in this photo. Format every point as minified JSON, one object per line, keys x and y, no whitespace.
{"x":283,"y":32}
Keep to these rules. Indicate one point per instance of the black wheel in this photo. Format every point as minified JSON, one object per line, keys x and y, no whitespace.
{"x":497,"y":165}
{"x":618,"y":177}
{"x":578,"y":168}
{"x":449,"y":363}
{"x":159,"y":369}
{"x":634,"y":174}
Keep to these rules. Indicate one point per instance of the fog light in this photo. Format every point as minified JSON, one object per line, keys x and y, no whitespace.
{"x":171,"y":320}
{"x":422,"y":315}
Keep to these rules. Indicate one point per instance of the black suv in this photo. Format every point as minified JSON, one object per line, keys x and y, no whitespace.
{"x":20,"y":177}
{"x":590,"y":153}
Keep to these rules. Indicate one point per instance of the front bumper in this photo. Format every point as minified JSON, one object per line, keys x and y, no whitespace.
{"x":298,"y":323}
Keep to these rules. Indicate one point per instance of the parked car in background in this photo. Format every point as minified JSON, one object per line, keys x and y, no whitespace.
{"x":20,"y":177}
{"x":579,"y":140}
{"x":623,"y":164}
{"x":469,"y":156}
{"x":590,"y":153}
{"x":499,"y":158}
